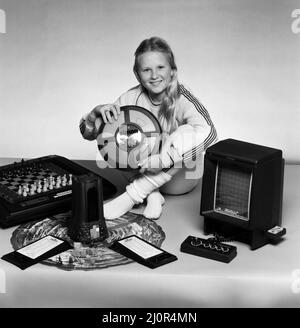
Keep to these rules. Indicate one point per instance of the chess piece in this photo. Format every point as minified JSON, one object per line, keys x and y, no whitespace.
{"x":64,"y":181}
{"x":70,"y":179}
{"x":57,"y":183}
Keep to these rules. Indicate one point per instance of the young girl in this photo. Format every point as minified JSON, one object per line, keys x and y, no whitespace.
{"x":187,"y":129}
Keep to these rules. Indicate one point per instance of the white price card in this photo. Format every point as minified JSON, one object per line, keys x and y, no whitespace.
{"x":40,"y":247}
{"x":140,"y":247}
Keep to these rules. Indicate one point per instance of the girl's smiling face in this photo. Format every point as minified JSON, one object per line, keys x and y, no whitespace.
{"x":154,"y":73}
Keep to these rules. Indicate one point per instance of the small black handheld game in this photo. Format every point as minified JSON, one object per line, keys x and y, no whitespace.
{"x":142,"y":251}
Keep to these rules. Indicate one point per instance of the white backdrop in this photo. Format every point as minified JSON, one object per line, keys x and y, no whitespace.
{"x":60,"y":58}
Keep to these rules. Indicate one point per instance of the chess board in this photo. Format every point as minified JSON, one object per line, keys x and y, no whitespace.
{"x":35,"y":188}
{"x":94,"y":256}
{"x":11,"y":182}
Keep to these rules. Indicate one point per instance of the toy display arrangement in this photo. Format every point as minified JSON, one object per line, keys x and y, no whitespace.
{"x":71,"y":211}
{"x":59,"y":205}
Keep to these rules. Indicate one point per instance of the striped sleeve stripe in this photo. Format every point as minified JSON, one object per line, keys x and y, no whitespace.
{"x":212,"y":137}
{"x":192,"y":154}
{"x":200,"y":148}
{"x":202,"y":110}
{"x":82,"y":127}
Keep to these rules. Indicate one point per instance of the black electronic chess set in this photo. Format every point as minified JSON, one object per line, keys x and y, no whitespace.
{"x":32,"y":189}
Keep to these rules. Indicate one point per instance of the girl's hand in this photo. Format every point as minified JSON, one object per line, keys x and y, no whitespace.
{"x":107,"y":112}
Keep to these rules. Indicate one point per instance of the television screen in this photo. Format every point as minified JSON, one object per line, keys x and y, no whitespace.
{"x":232,"y":192}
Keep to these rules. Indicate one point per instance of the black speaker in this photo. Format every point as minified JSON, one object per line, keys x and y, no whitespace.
{"x":87,"y":223}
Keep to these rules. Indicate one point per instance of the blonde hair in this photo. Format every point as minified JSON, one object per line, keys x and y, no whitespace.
{"x":167,"y":110}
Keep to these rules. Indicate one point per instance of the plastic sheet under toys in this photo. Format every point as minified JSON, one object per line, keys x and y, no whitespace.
{"x":88,"y":257}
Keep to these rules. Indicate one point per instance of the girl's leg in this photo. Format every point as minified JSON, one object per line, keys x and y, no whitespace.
{"x":185,"y":179}
{"x":135,"y":193}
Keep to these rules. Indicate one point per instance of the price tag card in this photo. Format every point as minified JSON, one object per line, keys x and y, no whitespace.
{"x":142,"y":251}
{"x":37,"y":251}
